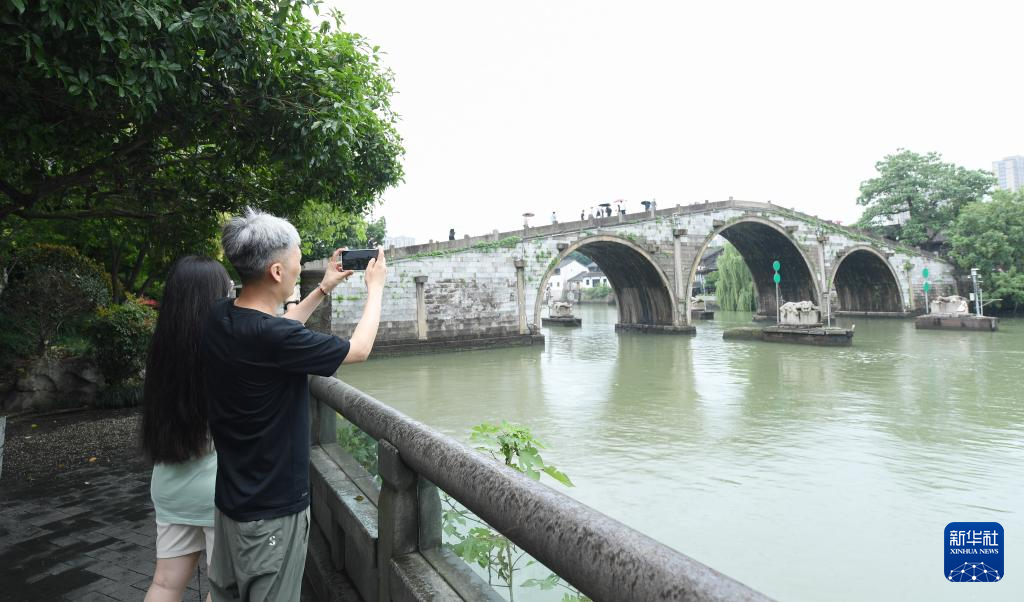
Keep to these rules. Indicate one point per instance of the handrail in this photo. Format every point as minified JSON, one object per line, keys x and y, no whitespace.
{"x":602,"y":557}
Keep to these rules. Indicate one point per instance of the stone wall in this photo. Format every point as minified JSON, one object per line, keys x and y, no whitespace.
{"x":50,"y":383}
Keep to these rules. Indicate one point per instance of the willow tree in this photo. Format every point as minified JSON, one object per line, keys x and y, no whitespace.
{"x":735,"y":284}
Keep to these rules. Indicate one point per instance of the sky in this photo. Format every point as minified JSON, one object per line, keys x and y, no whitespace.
{"x":558,"y":105}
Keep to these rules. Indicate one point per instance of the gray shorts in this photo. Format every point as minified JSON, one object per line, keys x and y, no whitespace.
{"x":261,"y":560}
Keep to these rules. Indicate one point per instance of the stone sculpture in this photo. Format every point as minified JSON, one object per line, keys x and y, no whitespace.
{"x":799,"y":313}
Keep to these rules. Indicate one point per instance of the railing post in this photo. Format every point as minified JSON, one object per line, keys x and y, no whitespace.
{"x":428,"y":502}
{"x":421,"y":307}
{"x":398,"y":514}
{"x":521,"y":294}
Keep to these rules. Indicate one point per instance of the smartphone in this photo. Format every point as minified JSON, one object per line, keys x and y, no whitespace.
{"x":357,"y":259}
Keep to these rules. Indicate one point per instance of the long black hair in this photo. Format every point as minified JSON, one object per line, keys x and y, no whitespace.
{"x":174,"y":417}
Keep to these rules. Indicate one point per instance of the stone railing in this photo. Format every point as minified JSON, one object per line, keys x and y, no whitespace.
{"x":386,"y":539}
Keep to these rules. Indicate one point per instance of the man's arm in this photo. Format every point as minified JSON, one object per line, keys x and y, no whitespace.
{"x":365,"y":333}
{"x":334,"y":275}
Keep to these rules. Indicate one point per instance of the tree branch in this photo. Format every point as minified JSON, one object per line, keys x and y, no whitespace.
{"x":21,"y":200}
{"x":130,"y":284}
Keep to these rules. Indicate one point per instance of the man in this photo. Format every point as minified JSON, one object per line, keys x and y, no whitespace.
{"x":256,"y":366}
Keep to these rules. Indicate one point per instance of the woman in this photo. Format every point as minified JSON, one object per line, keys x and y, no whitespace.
{"x":175,"y":436}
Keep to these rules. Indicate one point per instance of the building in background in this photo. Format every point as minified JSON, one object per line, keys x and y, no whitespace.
{"x":398,"y":241}
{"x":576,"y":287}
{"x":565,"y":270}
{"x":1010,"y":172}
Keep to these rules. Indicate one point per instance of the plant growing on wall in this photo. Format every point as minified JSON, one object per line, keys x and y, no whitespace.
{"x":361,"y":446}
{"x":475,"y":541}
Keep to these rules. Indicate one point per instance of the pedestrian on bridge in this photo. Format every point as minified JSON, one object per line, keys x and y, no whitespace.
{"x":258,"y":365}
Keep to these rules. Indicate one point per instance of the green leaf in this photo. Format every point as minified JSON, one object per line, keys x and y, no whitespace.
{"x":19,"y":4}
{"x":558,"y":475}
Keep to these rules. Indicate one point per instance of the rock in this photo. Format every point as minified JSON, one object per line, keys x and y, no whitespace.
{"x":51,"y":382}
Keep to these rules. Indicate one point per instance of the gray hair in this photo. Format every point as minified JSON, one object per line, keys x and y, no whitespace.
{"x":254,"y":241}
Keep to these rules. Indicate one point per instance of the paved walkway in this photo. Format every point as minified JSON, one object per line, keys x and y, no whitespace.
{"x":86,"y":535}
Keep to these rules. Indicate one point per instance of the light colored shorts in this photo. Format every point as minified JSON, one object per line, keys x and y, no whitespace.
{"x":174,"y":540}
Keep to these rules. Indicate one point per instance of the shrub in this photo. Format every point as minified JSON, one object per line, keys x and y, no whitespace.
{"x":50,"y":288}
{"x":127,"y":394}
{"x":120,"y":335}
{"x":597,"y":292}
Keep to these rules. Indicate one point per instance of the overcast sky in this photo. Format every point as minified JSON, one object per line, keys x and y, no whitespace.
{"x":536,"y":106}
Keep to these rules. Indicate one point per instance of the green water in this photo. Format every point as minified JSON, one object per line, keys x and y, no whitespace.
{"x":807,"y":473}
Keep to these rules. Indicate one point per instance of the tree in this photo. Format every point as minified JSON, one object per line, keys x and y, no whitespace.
{"x":735,"y":285}
{"x":156,"y":117}
{"x":919,"y":195}
{"x":325,"y":227}
{"x":989,"y":236}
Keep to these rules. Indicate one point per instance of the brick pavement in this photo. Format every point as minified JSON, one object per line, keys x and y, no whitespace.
{"x":86,"y":535}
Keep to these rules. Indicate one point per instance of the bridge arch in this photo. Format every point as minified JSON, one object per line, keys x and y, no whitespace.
{"x":642,"y":289}
{"x":761,"y":241}
{"x":864,"y":280}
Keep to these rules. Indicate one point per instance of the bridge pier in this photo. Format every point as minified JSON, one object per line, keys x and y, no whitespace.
{"x":656,"y":328}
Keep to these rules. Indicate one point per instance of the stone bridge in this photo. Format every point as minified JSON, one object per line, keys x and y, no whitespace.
{"x":491,"y":288}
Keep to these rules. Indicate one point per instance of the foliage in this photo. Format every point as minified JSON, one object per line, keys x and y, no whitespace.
{"x":49,"y":289}
{"x":361,"y":446}
{"x":711,"y":282}
{"x":596,"y":292}
{"x":734,"y":285}
{"x":325,"y":227}
{"x":989,"y":236}
{"x":475,"y":541}
{"x":121,"y":335}
{"x":517,"y":447}
{"x":131,"y":126}
{"x":15,"y":343}
{"x":580,"y":257}
{"x":920,"y":193}
{"x":136,"y":254}
{"x":127,"y":394}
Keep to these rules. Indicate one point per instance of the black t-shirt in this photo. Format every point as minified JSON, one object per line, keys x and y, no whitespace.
{"x":255,"y":369}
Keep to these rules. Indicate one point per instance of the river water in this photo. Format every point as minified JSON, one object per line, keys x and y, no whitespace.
{"x":807,"y":473}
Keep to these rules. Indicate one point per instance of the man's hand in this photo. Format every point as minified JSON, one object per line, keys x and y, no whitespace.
{"x":365,"y":333}
{"x":335,"y":273}
{"x":376,"y":272}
